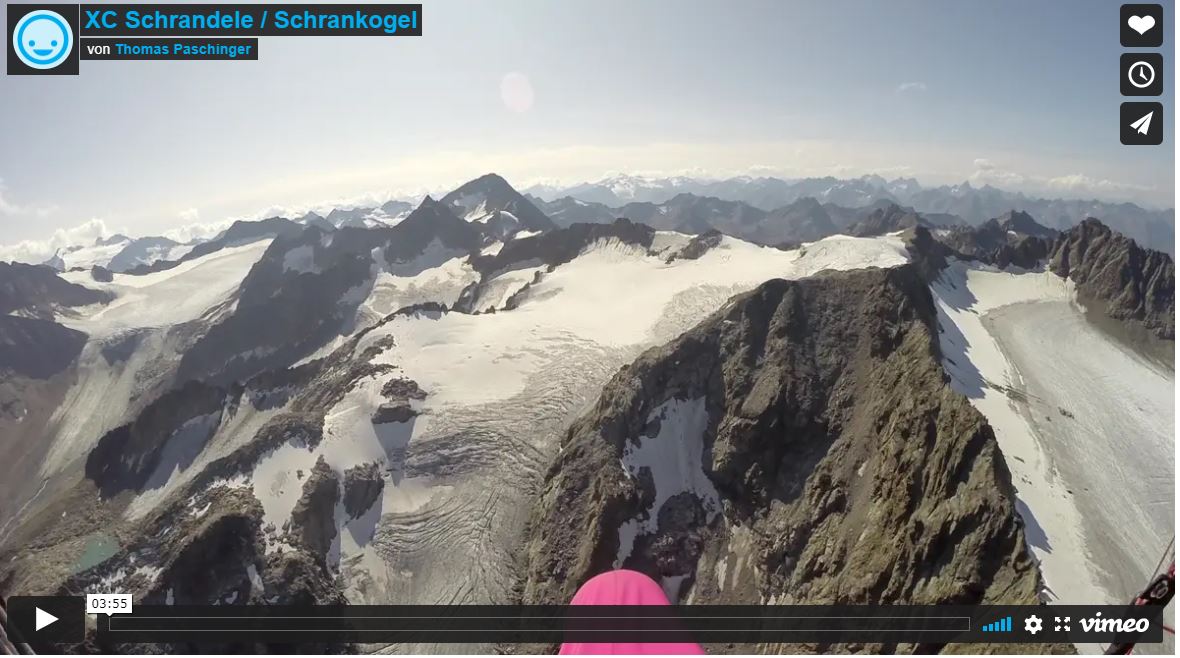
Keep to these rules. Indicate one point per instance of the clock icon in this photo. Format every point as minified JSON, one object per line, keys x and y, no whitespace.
{"x":1141,"y":74}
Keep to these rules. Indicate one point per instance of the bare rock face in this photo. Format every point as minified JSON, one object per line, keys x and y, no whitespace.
{"x":551,"y":248}
{"x":313,"y":520}
{"x":400,"y":388}
{"x":37,"y":348}
{"x":125,"y":457}
{"x":101,"y":274}
{"x":1013,"y":239}
{"x":698,"y":246}
{"x":216,"y":558}
{"x":1020,"y":222}
{"x":393,"y":412}
{"x":1133,"y":284}
{"x":554,"y":248}
{"x":31,"y":343}
{"x":835,"y":463}
{"x":362,"y":487}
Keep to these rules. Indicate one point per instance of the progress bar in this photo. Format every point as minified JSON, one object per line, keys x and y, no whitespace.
{"x":552,"y":624}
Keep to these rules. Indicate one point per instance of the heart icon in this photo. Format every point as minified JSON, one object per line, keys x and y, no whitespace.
{"x":1141,"y":24}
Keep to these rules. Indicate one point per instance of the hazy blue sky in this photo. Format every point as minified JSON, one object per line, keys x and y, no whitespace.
{"x":1020,"y":93}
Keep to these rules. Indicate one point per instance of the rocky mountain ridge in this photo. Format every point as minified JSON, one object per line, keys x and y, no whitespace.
{"x":1113,"y":274}
{"x":1133,"y":284}
{"x":823,"y":429}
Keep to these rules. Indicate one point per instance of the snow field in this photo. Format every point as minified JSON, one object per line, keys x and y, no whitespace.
{"x":1086,"y":426}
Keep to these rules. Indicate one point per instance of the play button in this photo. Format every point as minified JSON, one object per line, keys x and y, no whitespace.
{"x":46,"y":621}
{"x":43,"y":619}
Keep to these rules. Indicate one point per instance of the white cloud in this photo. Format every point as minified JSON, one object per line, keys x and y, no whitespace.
{"x":1074,"y":185}
{"x":1097,"y":186}
{"x":195,"y":231}
{"x":911,"y":87}
{"x":989,"y":173}
{"x":39,"y":251}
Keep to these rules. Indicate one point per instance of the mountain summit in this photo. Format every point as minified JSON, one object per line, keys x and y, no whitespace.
{"x":490,"y":200}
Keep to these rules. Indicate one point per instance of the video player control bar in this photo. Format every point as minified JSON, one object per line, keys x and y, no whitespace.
{"x":702,"y":624}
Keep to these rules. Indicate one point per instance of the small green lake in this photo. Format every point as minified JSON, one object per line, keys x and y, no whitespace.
{"x":98,"y":549}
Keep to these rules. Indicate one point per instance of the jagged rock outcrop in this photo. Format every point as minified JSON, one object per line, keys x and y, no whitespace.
{"x":303,"y":429}
{"x":1114,"y":275}
{"x":835,"y":463}
{"x":1018,"y":221}
{"x":217,"y":554}
{"x":393,"y":412}
{"x":1132,"y":284}
{"x":101,"y":274}
{"x":927,"y":253}
{"x":316,"y":220}
{"x":313,"y":519}
{"x":362,"y":487}
{"x":698,"y":246}
{"x":400,"y":388}
{"x":1014,"y":238}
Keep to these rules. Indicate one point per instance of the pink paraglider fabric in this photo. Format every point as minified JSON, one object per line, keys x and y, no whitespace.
{"x":625,"y":587}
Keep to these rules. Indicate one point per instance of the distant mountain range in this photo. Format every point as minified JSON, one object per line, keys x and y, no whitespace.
{"x":945,"y":204}
{"x":766,"y":210}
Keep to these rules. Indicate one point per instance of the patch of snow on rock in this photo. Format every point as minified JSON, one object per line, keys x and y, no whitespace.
{"x":674,"y":459}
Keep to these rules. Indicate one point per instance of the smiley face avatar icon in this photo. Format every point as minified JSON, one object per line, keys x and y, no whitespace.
{"x":42,"y":39}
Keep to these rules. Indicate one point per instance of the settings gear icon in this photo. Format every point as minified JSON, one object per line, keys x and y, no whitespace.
{"x":1032,"y":624}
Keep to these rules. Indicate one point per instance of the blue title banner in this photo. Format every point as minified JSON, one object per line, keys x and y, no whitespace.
{"x":250,"y":20}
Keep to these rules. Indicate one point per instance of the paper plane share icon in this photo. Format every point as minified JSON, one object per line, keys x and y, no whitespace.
{"x":1143,"y":123}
